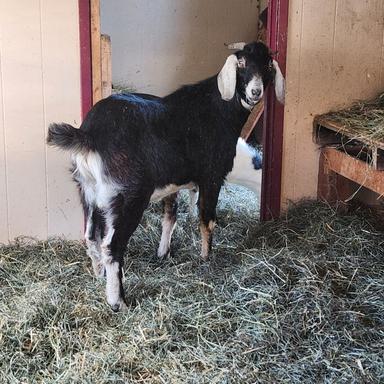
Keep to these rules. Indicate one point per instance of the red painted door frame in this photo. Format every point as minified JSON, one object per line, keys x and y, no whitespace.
{"x":85,"y":56}
{"x":274,"y":115}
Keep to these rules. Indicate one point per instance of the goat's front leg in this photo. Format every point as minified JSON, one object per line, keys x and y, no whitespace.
{"x":208,"y":196}
{"x":168,"y":224}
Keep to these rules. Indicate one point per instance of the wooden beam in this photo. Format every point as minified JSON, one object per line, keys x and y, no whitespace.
{"x":253,"y":118}
{"x":85,"y":57}
{"x":96,"y":50}
{"x":274,"y":115}
{"x":106,"y":66}
{"x":332,"y":187}
{"x":353,"y":169}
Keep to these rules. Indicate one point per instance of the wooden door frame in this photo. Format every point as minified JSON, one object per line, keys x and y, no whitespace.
{"x":273,"y":113}
{"x":85,"y":56}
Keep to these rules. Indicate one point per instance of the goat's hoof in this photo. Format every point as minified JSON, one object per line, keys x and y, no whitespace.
{"x":162,"y":256}
{"x":204,"y":256}
{"x":119,"y":307}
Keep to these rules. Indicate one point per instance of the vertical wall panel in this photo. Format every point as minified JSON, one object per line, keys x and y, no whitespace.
{"x":334,"y":57}
{"x":3,"y":175}
{"x":61,"y":85}
{"x":40,"y":83}
{"x":23,"y":117}
{"x":292,"y":97}
{"x":357,"y":50}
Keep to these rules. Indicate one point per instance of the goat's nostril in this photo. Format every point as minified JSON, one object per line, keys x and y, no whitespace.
{"x":256,"y":92}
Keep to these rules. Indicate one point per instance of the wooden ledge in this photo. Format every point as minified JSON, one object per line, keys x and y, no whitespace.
{"x":353,"y":169}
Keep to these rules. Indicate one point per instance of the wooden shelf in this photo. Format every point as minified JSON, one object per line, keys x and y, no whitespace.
{"x":328,"y":133}
{"x":347,"y":156}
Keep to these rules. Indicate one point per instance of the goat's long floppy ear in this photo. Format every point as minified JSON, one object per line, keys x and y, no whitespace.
{"x":279,"y":83}
{"x":226,"y":79}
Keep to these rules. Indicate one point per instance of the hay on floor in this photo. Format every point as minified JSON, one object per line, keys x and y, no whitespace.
{"x":298,"y":300}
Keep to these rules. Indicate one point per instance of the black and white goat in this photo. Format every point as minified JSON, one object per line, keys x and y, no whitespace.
{"x":246,"y":171}
{"x":133,"y":148}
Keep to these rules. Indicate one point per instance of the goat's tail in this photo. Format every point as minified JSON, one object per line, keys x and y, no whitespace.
{"x":67,"y":137}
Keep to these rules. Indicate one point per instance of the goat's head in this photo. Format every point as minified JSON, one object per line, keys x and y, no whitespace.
{"x":247,"y":73}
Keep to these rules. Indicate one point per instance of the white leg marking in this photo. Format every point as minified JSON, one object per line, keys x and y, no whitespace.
{"x":93,"y":249}
{"x":206,"y":238}
{"x":93,"y":252}
{"x":105,"y":253}
{"x":168,"y":226}
{"x":114,"y":298}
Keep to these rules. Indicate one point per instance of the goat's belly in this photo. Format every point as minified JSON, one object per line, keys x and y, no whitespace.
{"x":160,"y":193}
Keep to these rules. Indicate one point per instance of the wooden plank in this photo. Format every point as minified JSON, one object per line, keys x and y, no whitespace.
{"x":106,"y":66}
{"x":333,"y":187}
{"x":353,"y":169}
{"x":96,"y":50}
{"x":309,"y":67}
{"x":85,"y":56}
{"x":253,"y":118}
{"x":357,"y":46}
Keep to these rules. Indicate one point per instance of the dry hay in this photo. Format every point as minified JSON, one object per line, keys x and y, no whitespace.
{"x":298,"y":300}
{"x":365,"y":119}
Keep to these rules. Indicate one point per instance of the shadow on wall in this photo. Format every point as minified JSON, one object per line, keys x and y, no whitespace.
{"x":159,"y":45}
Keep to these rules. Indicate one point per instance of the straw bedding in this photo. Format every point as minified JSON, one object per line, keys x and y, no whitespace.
{"x":297,"y":300}
{"x":364,"y":119}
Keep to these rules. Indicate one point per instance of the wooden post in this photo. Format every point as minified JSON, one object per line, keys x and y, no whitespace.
{"x":106,"y":66}
{"x":85,"y":56}
{"x":96,"y":50}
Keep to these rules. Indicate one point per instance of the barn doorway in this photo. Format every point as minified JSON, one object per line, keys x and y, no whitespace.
{"x":182,"y":42}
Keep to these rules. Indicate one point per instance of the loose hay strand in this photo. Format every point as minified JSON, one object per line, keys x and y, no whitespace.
{"x":296,"y":300}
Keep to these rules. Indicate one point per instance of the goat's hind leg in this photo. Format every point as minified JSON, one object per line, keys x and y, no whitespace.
{"x":93,"y":234}
{"x":168,"y":225}
{"x":120,"y":223}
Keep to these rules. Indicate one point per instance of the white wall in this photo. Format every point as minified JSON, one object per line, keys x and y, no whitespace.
{"x":159,"y":45}
{"x":39,"y":84}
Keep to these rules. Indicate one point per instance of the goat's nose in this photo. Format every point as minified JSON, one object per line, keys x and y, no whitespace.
{"x":256,"y":92}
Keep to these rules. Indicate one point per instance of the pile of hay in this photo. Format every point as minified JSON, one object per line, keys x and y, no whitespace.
{"x":364,"y":119}
{"x":298,"y":300}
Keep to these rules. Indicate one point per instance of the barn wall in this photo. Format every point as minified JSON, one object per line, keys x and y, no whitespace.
{"x":39,"y":84}
{"x":159,"y":45}
{"x":334,"y":56}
